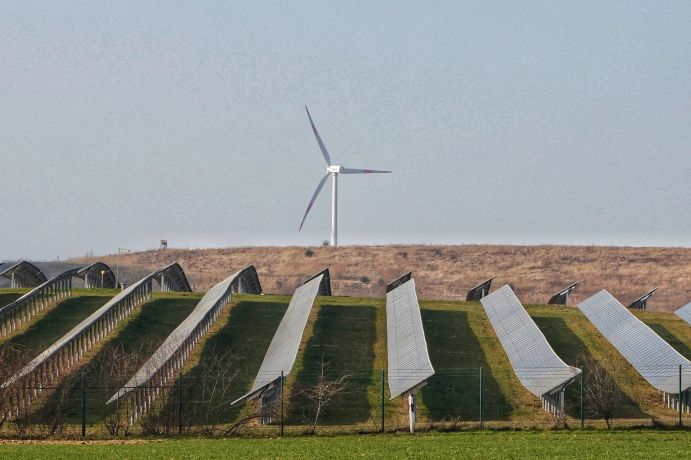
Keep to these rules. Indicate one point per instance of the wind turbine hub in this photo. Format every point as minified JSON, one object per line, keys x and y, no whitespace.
{"x":334,"y":169}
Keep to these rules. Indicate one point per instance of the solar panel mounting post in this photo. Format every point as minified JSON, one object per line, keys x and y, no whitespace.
{"x":481,"y":402}
{"x":679,"y":397}
{"x":282,"y":424}
{"x":83,"y":408}
{"x":382,"y":401}
{"x":581,"y":398}
{"x":411,"y":410}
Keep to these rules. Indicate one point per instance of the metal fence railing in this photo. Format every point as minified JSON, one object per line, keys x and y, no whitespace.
{"x":331,"y":401}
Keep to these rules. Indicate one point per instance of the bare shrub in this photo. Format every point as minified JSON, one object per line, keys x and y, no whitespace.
{"x":322,"y":393}
{"x":110,"y":370}
{"x":602,"y":394}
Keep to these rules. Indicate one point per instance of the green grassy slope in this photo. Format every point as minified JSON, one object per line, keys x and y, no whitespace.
{"x":52,"y":323}
{"x":71,"y":309}
{"x":349,"y":336}
{"x":112,"y":363}
{"x":10,"y":295}
{"x":224,"y":364}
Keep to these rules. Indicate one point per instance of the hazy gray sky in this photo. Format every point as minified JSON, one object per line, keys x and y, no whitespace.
{"x":504,"y":122}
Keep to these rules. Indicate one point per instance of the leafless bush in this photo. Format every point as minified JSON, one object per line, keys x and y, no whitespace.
{"x":110,"y":370}
{"x":322,"y":393}
{"x":214,"y":381}
{"x":601,"y":391}
{"x":206,"y":398}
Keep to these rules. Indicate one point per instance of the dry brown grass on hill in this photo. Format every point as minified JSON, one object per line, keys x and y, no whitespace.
{"x":444,"y":272}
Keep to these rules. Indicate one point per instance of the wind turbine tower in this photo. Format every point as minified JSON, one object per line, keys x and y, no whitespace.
{"x":333,"y":171}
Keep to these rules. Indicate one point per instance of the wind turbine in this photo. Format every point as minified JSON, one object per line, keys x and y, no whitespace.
{"x":333,"y":171}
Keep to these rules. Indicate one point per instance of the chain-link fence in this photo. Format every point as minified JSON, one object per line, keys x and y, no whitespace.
{"x":327,"y":401}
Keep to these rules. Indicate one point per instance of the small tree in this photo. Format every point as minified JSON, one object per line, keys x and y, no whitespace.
{"x":322,"y":393}
{"x":601,"y":391}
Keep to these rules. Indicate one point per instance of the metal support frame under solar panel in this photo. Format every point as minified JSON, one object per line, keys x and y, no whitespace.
{"x":23,"y":274}
{"x":97,"y":274}
{"x":325,"y":285}
{"x":246,"y":281}
{"x":479,"y":291}
{"x":399,"y":281}
{"x":641,"y":303}
{"x":562,"y":297}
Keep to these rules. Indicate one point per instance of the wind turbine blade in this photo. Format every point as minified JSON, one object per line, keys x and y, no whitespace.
{"x":325,"y":153}
{"x":314,"y":197}
{"x":345,"y":170}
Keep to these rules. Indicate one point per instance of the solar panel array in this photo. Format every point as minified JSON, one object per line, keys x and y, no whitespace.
{"x":409,"y":363}
{"x":171,"y":355}
{"x":533,"y":360}
{"x":283,"y":350}
{"x":19,"y":312}
{"x":652,"y":357}
{"x":48,"y":367}
{"x":685,"y":313}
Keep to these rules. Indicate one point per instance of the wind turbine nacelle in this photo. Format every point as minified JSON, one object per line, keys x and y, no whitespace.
{"x":333,"y":169}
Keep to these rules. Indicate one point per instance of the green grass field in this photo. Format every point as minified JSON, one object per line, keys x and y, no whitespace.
{"x":543,"y":444}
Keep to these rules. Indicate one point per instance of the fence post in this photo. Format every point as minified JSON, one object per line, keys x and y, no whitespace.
{"x":581,"y":398}
{"x":282,"y":420}
{"x":481,"y":402}
{"x":381,"y":428}
{"x":180,"y":403}
{"x":679,"y":396}
{"x":83,"y":408}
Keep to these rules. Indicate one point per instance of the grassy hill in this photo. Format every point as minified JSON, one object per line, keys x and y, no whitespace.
{"x":347,"y":334}
{"x":442,"y":272}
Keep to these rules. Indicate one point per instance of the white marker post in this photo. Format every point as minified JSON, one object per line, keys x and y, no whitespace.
{"x":411,"y":410}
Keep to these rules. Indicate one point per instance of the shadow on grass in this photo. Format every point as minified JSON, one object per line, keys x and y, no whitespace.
{"x":132,"y":346}
{"x":571,"y":349}
{"x":456,"y":355}
{"x":8,"y":297}
{"x":56,"y":323}
{"x":671,"y":339}
{"x":242,"y":344}
{"x":344,"y":337}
